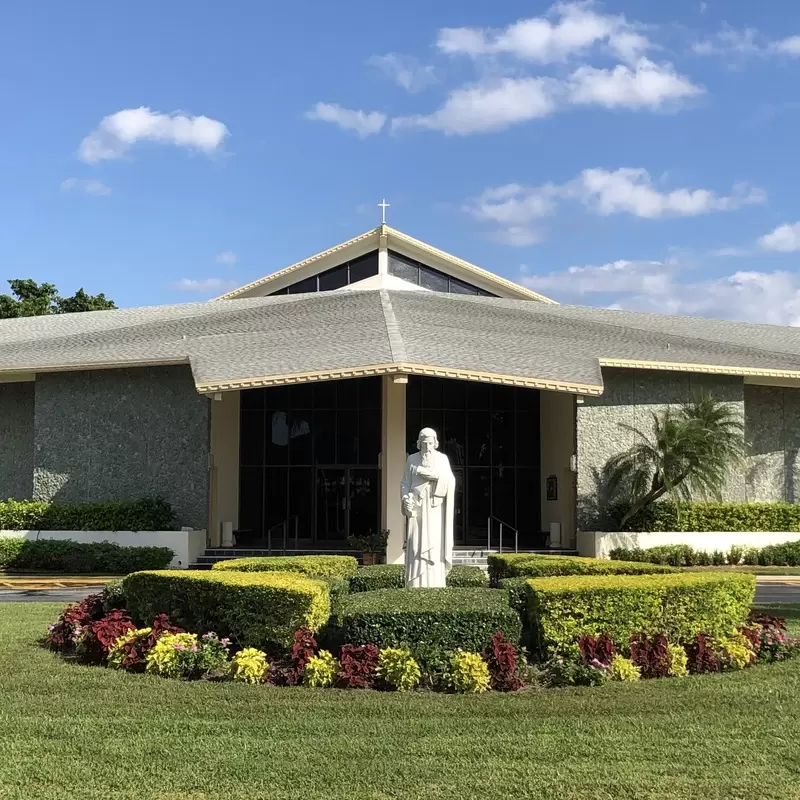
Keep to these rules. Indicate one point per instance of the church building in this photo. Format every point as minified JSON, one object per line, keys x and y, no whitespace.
{"x":284,"y":410}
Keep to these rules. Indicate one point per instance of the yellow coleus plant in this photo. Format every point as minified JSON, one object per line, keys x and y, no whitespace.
{"x":249,"y":665}
{"x":166,"y":658}
{"x":117,"y":652}
{"x":398,"y":668}
{"x":321,"y":670}
{"x":469,"y":672}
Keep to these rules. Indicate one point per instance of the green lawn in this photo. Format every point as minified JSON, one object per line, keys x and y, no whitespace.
{"x":68,"y":731}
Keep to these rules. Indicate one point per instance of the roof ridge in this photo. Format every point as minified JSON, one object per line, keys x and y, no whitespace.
{"x":396,"y":344}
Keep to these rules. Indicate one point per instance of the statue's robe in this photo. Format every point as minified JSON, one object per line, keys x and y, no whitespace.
{"x":429,"y":540}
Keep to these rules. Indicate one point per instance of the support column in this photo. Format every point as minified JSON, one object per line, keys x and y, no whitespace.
{"x":393,"y":460}
{"x":224,"y":487}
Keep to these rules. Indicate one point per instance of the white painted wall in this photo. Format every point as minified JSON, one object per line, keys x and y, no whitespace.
{"x":599,"y":544}
{"x":185,"y":544}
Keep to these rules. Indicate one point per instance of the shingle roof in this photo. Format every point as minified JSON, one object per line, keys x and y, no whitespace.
{"x":268,"y":340}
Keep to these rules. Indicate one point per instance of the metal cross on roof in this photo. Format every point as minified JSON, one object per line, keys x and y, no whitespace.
{"x":383,"y":205}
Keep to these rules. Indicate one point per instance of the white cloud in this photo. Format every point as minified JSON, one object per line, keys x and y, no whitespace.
{"x":655,"y":286}
{"x":789,"y":46}
{"x":732,"y":252}
{"x":515,"y":208}
{"x":407,"y":71}
{"x":784,"y":239}
{"x":226,"y":257}
{"x":487,"y":106}
{"x":116,"y":133}
{"x":645,"y":85}
{"x":741,"y":43}
{"x":89,"y":186}
{"x":569,"y":29}
{"x":203,"y":285}
{"x":363,"y":123}
{"x":631,"y":191}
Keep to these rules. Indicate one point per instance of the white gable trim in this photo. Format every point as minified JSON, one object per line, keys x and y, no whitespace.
{"x":384,"y":238}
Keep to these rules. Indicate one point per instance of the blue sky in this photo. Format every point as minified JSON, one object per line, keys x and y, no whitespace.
{"x":633,"y":154}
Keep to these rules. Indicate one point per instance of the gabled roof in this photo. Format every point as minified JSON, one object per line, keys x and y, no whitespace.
{"x":269,"y":341}
{"x":385,"y":237}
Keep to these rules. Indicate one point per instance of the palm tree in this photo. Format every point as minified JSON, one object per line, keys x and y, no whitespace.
{"x":689,"y":452}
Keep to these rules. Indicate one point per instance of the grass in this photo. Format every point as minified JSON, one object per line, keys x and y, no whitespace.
{"x":84,"y":732}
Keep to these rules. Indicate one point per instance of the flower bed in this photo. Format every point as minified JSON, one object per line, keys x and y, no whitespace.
{"x":267,"y":627}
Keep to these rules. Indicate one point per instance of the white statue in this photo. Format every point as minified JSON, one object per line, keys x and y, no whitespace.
{"x":428,"y":493}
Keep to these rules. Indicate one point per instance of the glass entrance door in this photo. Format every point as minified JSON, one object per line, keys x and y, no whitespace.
{"x":347,"y":502}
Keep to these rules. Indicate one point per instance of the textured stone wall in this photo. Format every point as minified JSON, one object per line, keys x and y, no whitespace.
{"x":121,"y":435}
{"x":772,"y":419}
{"x":16,"y":440}
{"x":629,"y":399}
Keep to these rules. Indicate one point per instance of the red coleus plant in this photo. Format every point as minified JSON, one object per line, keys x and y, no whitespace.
{"x":701,"y":656}
{"x":63,"y":635}
{"x":597,"y":649}
{"x":134,"y":651}
{"x":289,"y":672}
{"x":98,"y":636}
{"x":651,"y":654}
{"x":357,"y":666}
{"x":501,"y":656}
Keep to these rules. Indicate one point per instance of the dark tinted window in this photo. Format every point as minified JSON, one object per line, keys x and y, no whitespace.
{"x":335,"y":278}
{"x":415,"y":272}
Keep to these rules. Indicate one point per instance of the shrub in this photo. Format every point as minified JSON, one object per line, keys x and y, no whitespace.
{"x":464,"y":576}
{"x":677,"y":661}
{"x":699,"y":516}
{"x":149,"y":514}
{"x":357,"y":666}
{"x":289,"y":671}
{"x":113,"y":595}
{"x":318,"y":566}
{"x":392,"y":576}
{"x":63,"y":635}
{"x":767,"y":636}
{"x":469,"y":673}
{"x":679,"y":606}
{"x":682,"y":555}
{"x":338,"y":588}
{"x":378,"y":576}
{"x":397,"y":668}
{"x":516,"y":565}
{"x":428,"y":621}
{"x":623,"y":669}
{"x":249,"y":665}
{"x":780,"y":555}
{"x":502,"y":659}
{"x":322,"y":670}
{"x":254,"y":609}
{"x":98,"y":636}
{"x":651,"y":654}
{"x":63,"y":555}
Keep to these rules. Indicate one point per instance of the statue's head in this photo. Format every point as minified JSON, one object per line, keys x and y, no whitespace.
{"x":427,"y":440}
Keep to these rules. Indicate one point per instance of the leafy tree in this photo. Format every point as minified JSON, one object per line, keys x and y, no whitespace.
{"x":31,"y":299}
{"x":690,"y":451}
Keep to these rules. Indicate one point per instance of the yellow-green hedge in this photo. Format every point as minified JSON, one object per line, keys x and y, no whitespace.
{"x":680,"y":606}
{"x":534,"y":565}
{"x":254,"y":609}
{"x":323,"y":566}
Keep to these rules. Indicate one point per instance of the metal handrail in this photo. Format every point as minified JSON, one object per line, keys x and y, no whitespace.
{"x":285,"y":526}
{"x":493,"y":518}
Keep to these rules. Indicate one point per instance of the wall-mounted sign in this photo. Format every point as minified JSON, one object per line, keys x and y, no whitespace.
{"x":552,"y":487}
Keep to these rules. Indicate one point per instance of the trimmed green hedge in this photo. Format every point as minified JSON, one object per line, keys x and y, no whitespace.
{"x":261,"y":609}
{"x":427,"y":620}
{"x":392,"y":576}
{"x":319,"y":566}
{"x":680,"y":606}
{"x":149,"y":514}
{"x":56,"y":555}
{"x":683,"y":555}
{"x":694,"y":516}
{"x":517,"y":565}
